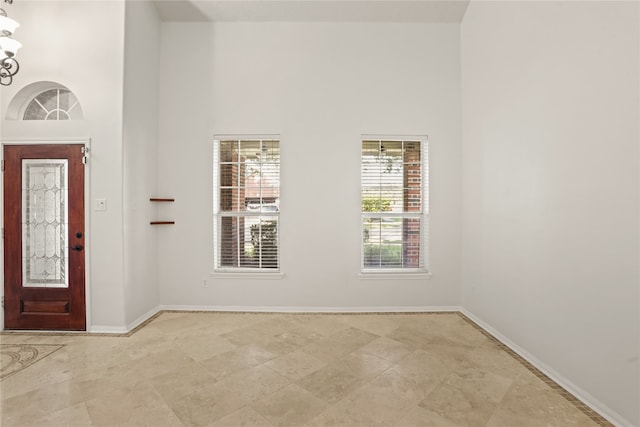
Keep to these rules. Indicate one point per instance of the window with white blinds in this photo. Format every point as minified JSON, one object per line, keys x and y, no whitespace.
{"x":394,"y":204}
{"x":246,"y":204}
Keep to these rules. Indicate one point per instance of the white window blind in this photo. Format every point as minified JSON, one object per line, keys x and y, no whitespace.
{"x":394,"y":204}
{"x":246,"y":203}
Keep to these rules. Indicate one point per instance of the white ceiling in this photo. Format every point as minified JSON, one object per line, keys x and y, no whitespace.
{"x":312,"y":10}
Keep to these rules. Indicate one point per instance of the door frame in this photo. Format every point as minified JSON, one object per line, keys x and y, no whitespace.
{"x":87,"y":218}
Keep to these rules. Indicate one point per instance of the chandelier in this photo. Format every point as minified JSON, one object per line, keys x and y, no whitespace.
{"x":8,"y":48}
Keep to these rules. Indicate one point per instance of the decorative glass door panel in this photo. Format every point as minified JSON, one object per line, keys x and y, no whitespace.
{"x":45,"y":255}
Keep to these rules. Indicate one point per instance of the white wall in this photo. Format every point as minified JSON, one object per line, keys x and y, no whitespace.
{"x":320,"y":86}
{"x":80,"y":45}
{"x":140,"y":140}
{"x":550,"y":189}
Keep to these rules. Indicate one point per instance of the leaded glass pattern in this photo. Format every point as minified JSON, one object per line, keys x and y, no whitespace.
{"x":53,"y":104}
{"x":45,"y":221}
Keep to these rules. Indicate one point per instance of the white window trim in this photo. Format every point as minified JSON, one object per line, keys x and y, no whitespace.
{"x":401,"y":273}
{"x":239,"y":272}
{"x":242,"y":273}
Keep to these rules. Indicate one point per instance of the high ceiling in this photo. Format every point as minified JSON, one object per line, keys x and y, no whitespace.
{"x":312,"y":10}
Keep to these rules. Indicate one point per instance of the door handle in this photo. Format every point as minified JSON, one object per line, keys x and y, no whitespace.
{"x":77,"y":248}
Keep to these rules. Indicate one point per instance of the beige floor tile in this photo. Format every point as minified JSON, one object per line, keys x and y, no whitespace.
{"x":393,"y":389}
{"x":181,"y":369}
{"x":148,"y":341}
{"x":342,"y":415}
{"x":299,"y":336}
{"x":91,"y":358}
{"x":21,"y":409}
{"x":412,"y":338}
{"x":354,"y":337}
{"x":203,"y":346}
{"x":468,"y":396}
{"x":264,"y":335}
{"x":327,"y":350}
{"x":278,"y":347}
{"x":461,"y":331}
{"x":140,"y":405}
{"x":420,"y":417}
{"x":255,"y":383}
{"x":221,"y":323}
{"x":382,"y":402}
{"x":291,"y":406}
{"x":245,"y":417}
{"x":206,"y":405}
{"x":73,"y":416}
{"x":449,"y":349}
{"x":454,"y":327}
{"x":325,"y":325}
{"x":152,"y":366}
{"x":386,"y":348}
{"x":275,"y":325}
{"x":242,"y":358}
{"x":339,"y":344}
{"x":374,"y":323}
{"x":537,"y":404}
{"x":493,"y":359}
{"x":82,"y":390}
{"x":507,"y":417}
{"x":363,"y":365}
{"x":180,"y":324}
{"x":182,"y":382}
{"x":13,"y":338}
{"x":246,"y":336}
{"x":425,"y":368}
{"x":331,"y":383}
{"x":52,"y":369}
{"x":484,"y":384}
{"x":74,"y":388}
{"x":296,"y":365}
{"x":260,"y":332}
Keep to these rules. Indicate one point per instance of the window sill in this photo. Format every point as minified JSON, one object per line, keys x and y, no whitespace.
{"x":246,"y":275}
{"x":379,"y":275}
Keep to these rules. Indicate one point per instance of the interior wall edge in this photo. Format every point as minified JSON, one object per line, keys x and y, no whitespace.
{"x":563,"y":382}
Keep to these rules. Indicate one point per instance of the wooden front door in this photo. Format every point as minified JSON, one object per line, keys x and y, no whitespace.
{"x":44,"y":261}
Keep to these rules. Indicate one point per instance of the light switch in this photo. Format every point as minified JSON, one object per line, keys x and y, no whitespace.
{"x":100,"y":205}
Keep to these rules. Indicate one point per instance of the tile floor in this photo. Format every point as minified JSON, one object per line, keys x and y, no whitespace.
{"x":247,"y":369}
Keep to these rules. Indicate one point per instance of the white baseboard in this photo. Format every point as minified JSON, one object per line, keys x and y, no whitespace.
{"x":346,"y":310}
{"x":97,"y":329}
{"x":140,"y":320}
{"x":580,"y":394}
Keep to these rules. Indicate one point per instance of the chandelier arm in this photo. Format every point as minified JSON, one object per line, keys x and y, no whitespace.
{"x":9,"y":66}
{"x":5,"y":78}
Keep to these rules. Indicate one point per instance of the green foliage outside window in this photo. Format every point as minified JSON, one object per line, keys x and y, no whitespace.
{"x":265,"y":243}
{"x":376,"y":204}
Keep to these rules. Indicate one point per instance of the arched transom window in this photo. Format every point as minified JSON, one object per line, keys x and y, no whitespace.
{"x":53,"y":104}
